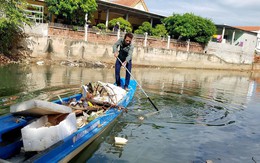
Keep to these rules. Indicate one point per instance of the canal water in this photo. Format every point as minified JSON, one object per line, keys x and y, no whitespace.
{"x":204,"y":115}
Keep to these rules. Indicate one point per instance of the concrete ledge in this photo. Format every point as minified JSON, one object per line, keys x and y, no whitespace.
{"x":58,"y":48}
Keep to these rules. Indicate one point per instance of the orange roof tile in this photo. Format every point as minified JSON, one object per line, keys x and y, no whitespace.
{"x":249,"y":28}
{"x":130,"y":3}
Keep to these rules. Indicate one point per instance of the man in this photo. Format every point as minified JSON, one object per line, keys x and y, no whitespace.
{"x":123,"y":50}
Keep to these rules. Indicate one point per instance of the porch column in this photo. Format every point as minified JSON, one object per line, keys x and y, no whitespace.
{"x":107,"y":18}
{"x":126,"y":17}
{"x":151,"y":21}
{"x":233,"y":37}
{"x":223,"y":33}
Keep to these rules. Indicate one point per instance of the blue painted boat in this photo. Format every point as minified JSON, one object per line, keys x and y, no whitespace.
{"x":66,"y":149}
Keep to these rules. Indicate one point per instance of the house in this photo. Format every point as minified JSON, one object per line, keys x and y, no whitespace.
{"x":236,"y":36}
{"x":233,"y":44}
{"x":247,"y":37}
{"x":135,"y":11}
{"x":255,"y":29}
{"x":249,"y":28}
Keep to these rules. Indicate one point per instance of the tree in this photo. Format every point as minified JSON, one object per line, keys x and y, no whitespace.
{"x":11,"y":24}
{"x":159,"y":30}
{"x":145,"y":27}
{"x":190,"y":26}
{"x":124,"y":24}
{"x":71,"y":11}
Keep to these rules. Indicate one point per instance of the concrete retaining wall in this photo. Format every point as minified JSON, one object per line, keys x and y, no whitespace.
{"x":60,"y":47}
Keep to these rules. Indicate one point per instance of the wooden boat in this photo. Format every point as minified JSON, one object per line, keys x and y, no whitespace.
{"x":66,"y":149}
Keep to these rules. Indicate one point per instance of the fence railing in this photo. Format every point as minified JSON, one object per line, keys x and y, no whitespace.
{"x":65,"y":26}
{"x":139,"y":39}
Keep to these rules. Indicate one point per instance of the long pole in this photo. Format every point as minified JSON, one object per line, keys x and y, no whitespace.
{"x":138,"y":85}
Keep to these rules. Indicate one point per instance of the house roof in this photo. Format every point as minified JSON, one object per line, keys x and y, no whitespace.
{"x":102,"y":4}
{"x":234,"y":28}
{"x":249,"y":28}
{"x":131,"y":3}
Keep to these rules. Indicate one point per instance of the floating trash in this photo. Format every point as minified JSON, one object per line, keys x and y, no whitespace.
{"x":141,"y":118}
{"x":120,"y":141}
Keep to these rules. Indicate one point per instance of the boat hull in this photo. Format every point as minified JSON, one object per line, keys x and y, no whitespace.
{"x":66,"y":149}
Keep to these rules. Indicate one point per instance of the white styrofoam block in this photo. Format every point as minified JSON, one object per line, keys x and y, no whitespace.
{"x":39,"y":107}
{"x":36,"y":137}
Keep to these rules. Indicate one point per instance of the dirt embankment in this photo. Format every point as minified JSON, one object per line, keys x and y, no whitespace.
{"x":16,"y":56}
{"x":4,"y":60}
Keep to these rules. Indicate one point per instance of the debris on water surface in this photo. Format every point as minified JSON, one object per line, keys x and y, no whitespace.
{"x":141,"y":118}
{"x":119,"y":140}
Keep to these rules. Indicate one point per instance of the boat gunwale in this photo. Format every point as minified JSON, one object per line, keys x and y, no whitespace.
{"x":78,"y":145}
{"x":74,"y":150}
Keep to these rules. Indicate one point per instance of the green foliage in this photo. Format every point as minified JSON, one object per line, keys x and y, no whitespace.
{"x":72,"y":11}
{"x":75,"y":28}
{"x":101,"y":26}
{"x":124,"y":24}
{"x":11,"y":24}
{"x":145,"y":27}
{"x":159,"y":31}
{"x":95,"y":28}
{"x":14,"y":12}
{"x":190,"y":26}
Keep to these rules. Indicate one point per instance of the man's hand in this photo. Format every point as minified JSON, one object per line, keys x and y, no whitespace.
{"x":116,"y":54}
{"x":124,"y":63}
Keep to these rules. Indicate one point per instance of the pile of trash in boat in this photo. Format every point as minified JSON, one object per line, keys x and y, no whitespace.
{"x":55,"y":122}
{"x":96,"y":99}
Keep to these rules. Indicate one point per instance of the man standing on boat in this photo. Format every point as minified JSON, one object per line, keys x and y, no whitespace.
{"x":123,"y":50}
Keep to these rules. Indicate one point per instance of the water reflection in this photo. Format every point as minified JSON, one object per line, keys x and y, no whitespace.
{"x":10,"y":76}
{"x":203,"y":114}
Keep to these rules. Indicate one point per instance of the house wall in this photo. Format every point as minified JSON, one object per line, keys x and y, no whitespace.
{"x":249,"y":42}
{"x":238,"y":46}
{"x":241,"y":38}
{"x":230,"y":53}
{"x":140,"y":6}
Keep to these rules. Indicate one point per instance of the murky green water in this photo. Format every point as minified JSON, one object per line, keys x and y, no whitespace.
{"x":205,"y":115}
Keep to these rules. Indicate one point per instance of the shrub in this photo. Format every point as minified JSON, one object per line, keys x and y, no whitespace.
{"x":101,"y":26}
{"x":124,"y":24}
